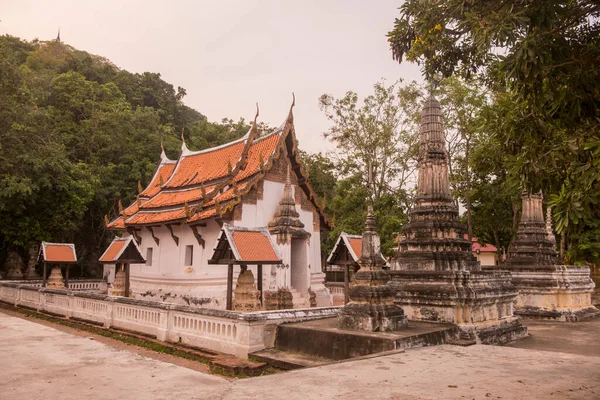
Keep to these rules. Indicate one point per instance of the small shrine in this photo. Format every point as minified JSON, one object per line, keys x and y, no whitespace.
{"x":121,"y":253}
{"x":435,"y":274}
{"x":343,"y":259}
{"x":244,"y":246}
{"x":371,"y":299}
{"x":57,"y":254}
{"x":547,"y":289}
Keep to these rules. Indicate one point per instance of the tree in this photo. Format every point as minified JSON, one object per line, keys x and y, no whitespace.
{"x":540,"y":60}
{"x":462,"y":103}
{"x":76,"y":136}
{"x":381,"y":130}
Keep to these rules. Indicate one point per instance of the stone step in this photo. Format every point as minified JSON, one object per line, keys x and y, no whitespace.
{"x":287,"y":360}
{"x":322,"y":338}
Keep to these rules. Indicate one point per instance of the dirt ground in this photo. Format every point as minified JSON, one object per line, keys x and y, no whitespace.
{"x":39,"y":361}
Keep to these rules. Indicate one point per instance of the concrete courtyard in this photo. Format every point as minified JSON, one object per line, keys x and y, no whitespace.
{"x":559,"y":361}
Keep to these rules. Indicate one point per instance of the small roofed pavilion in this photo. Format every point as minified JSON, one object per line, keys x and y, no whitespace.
{"x":57,"y":254}
{"x":122,"y":252}
{"x":243,"y":246}
{"x":345,"y":254}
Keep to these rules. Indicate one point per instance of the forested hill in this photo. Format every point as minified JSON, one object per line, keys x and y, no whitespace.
{"x":76,"y":135}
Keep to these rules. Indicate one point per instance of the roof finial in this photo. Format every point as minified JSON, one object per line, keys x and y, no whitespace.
{"x":254,"y":130}
{"x":291,"y":114}
{"x":183,"y":146}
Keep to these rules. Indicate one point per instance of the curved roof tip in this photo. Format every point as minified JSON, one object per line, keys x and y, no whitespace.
{"x":184,"y":148}
{"x":291,"y":113}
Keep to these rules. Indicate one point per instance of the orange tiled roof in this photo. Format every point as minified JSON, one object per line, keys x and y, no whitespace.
{"x":123,"y":250}
{"x":254,"y":246}
{"x":356,"y":244}
{"x":182,"y":179}
{"x":112,"y":251}
{"x":265,"y":146}
{"x":58,"y":252}
{"x":164,"y":198}
{"x":203,"y":215}
{"x":117,"y":224}
{"x":196,"y":168}
{"x":157,"y":217}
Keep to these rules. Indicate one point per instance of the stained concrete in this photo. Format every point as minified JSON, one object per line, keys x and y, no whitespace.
{"x":41,"y":362}
{"x":323,"y":338}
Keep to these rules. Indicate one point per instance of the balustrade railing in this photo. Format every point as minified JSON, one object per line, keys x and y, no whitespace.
{"x":224,"y":331}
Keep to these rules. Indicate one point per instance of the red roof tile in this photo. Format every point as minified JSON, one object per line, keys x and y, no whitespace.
{"x":59,"y":252}
{"x":162,"y":174}
{"x":488,"y":248}
{"x":117,"y":223}
{"x":254,"y":246}
{"x":112,"y":251}
{"x":146,"y":218}
{"x":171,"y":198}
{"x":356,"y":244}
{"x":197,"y":168}
{"x":203,"y":215}
{"x":265,"y":146}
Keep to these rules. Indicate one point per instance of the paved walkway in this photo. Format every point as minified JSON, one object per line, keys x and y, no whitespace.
{"x":41,"y":362}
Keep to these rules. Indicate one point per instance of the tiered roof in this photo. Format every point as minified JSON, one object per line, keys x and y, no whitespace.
{"x":209,"y":183}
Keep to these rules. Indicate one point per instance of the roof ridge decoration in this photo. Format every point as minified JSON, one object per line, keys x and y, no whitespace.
{"x":201,"y":205}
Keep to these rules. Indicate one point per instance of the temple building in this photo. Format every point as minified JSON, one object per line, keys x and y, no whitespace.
{"x":254,"y":182}
{"x":436,"y":276}
{"x":547,"y":289}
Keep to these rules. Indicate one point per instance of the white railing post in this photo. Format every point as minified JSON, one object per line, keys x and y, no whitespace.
{"x":165,"y":325}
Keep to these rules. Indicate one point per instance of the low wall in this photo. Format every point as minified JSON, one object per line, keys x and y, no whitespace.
{"x":75,"y":285}
{"x":224,"y":331}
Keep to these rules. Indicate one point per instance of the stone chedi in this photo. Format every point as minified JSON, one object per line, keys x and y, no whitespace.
{"x":371,"y":306}
{"x":547,"y":290}
{"x":435,"y":274}
{"x":55,"y":280}
{"x":288,"y":231}
{"x":246,"y":297}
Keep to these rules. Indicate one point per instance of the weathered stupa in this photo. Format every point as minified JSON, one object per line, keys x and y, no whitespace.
{"x":435,"y":274}
{"x":371,"y":306}
{"x":547,"y":290}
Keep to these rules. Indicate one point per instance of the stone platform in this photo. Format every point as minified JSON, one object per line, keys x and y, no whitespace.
{"x":323,"y":339}
{"x":479,"y":303}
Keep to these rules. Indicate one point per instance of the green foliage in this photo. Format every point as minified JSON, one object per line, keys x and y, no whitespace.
{"x":380,"y":129}
{"x":540,"y":58}
{"x":76,"y":135}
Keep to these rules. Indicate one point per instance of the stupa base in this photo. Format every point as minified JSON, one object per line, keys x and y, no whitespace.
{"x":372,"y":318}
{"x":479,"y":303}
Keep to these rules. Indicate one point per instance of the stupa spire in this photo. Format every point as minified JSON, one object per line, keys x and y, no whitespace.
{"x":434,"y":238}
{"x":433,"y":158}
{"x":286,"y":221}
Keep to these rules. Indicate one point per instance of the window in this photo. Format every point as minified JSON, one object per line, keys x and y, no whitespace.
{"x":149,"y":256}
{"x":189,"y":255}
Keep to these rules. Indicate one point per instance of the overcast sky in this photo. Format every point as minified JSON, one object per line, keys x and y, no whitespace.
{"x":228,"y":55}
